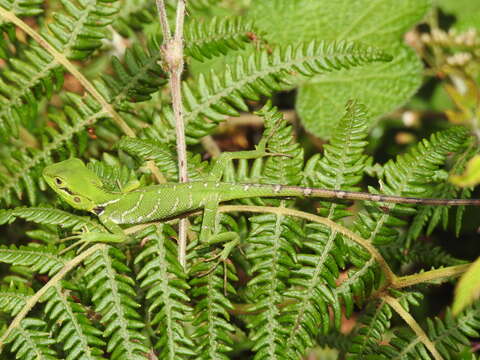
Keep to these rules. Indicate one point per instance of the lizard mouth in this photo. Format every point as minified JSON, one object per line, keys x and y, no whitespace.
{"x":98,"y":210}
{"x":67,"y":190}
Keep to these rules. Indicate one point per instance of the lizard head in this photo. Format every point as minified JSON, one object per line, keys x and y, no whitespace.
{"x":75,"y":183}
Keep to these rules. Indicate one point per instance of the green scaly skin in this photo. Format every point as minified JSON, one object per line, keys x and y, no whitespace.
{"x":83,"y":189}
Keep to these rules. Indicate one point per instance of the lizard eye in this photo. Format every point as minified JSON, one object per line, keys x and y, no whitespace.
{"x":76,"y":199}
{"x":58,"y":181}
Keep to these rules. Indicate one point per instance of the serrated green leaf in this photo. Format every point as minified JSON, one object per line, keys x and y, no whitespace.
{"x":382,"y":87}
{"x":376,"y":22}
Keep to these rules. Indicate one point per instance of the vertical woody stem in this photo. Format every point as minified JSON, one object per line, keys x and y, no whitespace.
{"x":173,"y":51}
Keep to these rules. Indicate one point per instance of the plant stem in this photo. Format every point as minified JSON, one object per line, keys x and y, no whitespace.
{"x":162,"y":14}
{"x":404,"y":281}
{"x":391,"y":277}
{"x":173,"y":51}
{"x":63,"y":60}
{"x":405,"y":315}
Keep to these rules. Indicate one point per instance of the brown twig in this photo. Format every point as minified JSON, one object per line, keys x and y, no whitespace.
{"x":173,"y":53}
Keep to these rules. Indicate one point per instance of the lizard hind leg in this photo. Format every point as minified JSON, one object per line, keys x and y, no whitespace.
{"x":208,"y":238}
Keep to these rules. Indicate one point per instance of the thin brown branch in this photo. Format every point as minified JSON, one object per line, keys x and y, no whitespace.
{"x":173,"y":53}
{"x":162,"y":14}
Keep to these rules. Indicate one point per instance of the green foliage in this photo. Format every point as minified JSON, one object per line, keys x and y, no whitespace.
{"x":341,"y":167}
{"x":14,"y":297}
{"x":467,"y":289}
{"x":272,"y":240}
{"x":374,"y":324}
{"x":217,"y":37}
{"x":74,"y":331}
{"x":409,"y":175}
{"x":133,"y":15}
{"x":23,"y":7}
{"x":382,"y":23}
{"x":113,"y":296}
{"x":450,"y":336}
{"x":30,"y":341}
{"x":165,"y":283}
{"x":137,"y":78}
{"x":38,"y":259}
{"x":215,"y":97}
{"x":291,"y":286}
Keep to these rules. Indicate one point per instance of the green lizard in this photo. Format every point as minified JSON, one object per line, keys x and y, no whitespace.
{"x":83,"y":189}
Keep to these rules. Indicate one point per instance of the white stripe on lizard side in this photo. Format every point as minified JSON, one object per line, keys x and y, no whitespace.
{"x":174,"y":208}
{"x":109,"y":202}
{"x":134,"y":208}
{"x":151,"y":213}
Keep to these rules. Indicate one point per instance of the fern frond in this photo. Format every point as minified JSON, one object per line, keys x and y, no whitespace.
{"x":273,"y":238}
{"x":360,"y":281}
{"x":79,"y":30}
{"x":374,"y":325}
{"x":205,"y":40}
{"x":164,"y":157}
{"x":80,"y":339}
{"x":34,"y":74}
{"x":31,"y":342}
{"x":41,"y":259}
{"x":215,"y":97}
{"x":426,"y":255}
{"x":14,"y":297}
{"x":50,"y":216}
{"x":164,"y":281}
{"x":323,"y":255}
{"x":23,"y":82}
{"x":23,"y":167}
{"x":410,"y":175}
{"x":280,"y":140}
{"x":430,"y":217}
{"x":23,"y":7}
{"x":114,"y":299}
{"x":138,"y":77}
{"x":213,"y":330}
{"x":134,"y":15}
{"x":449,"y":335}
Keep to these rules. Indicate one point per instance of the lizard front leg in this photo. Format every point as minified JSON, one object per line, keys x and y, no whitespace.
{"x":221,"y":162}
{"x":116,"y":235}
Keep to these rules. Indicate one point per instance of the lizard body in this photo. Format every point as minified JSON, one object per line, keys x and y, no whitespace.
{"x":82,"y":189}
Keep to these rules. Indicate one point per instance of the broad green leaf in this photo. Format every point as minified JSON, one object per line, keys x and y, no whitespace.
{"x":468,"y":288}
{"x":471,"y":176}
{"x":467,"y":12}
{"x":380,"y":23}
{"x":381,"y":87}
